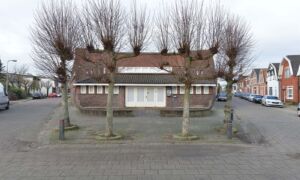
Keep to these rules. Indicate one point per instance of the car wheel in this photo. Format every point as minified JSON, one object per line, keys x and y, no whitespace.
{"x":7,"y":106}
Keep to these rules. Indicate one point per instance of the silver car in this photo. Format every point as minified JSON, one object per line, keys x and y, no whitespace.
{"x":271,"y":101}
{"x":4,"y":101}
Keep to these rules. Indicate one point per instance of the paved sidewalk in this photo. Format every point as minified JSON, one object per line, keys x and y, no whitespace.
{"x":148,"y":127}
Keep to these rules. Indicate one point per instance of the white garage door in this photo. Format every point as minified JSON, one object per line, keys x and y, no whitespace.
{"x":145,"y":97}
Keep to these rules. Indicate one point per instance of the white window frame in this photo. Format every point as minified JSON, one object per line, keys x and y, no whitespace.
{"x":99,"y":90}
{"x":174,"y":89}
{"x":287,"y":92}
{"x":116,"y":90}
{"x":82,"y":89}
{"x":206,"y":90}
{"x":198,"y":90}
{"x":181,"y":90}
{"x":191,"y":90}
{"x":105,"y":89}
{"x":91,"y":89}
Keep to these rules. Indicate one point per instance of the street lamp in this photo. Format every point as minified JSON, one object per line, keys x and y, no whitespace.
{"x":13,"y":60}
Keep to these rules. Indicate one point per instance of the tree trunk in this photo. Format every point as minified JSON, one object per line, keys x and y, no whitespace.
{"x":186,"y":111}
{"x":109,"y":108}
{"x":66,"y":104}
{"x":228,"y":104}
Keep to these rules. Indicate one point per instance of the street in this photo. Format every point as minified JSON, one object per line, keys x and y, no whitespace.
{"x":21,"y":124}
{"x":277,"y":157}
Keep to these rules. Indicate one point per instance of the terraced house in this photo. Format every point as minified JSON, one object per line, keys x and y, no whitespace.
{"x":257,"y":81}
{"x":272,"y":79}
{"x":289,"y":78}
{"x":140,"y":83}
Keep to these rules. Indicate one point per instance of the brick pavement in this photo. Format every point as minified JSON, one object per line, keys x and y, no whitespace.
{"x":278,"y":158}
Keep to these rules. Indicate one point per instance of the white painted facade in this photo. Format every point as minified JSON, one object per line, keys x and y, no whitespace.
{"x":272,"y":81}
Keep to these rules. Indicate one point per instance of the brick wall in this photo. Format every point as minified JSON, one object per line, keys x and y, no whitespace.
{"x":99,"y":100}
{"x":285,"y":82}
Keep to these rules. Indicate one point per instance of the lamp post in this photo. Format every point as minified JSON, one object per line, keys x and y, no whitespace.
{"x":7,"y":74}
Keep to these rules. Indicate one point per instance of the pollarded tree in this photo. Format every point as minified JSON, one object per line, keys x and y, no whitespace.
{"x":191,"y":27}
{"x":110,"y":23}
{"x":55,"y":36}
{"x":235,"y":58}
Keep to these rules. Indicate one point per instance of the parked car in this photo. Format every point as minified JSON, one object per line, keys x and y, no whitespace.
{"x":251,"y":97}
{"x":37,"y":95}
{"x":4,"y":101}
{"x":237,"y":94}
{"x":52,"y":95}
{"x":222,"y":96}
{"x":245,"y":96}
{"x":271,"y":101}
{"x":257,"y":99}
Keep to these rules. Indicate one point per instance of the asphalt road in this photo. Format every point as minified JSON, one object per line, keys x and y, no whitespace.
{"x":21,"y":124}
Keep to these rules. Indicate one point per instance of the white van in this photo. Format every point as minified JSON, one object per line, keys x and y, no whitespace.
{"x":4,"y":101}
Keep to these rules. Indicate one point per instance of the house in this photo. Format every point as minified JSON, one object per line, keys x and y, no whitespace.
{"x":257,"y":81}
{"x":289,"y":78}
{"x":243,"y":84}
{"x":272,"y":79}
{"x":139,"y":83}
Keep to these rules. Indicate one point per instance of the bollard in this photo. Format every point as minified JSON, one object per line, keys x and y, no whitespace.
{"x":229,"y":125}
{"x":61,"y":129}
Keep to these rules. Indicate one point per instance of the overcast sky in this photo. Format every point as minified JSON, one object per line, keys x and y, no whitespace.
{"x":275,"y":25}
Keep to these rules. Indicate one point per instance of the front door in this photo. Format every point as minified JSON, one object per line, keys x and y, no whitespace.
{"x":145,"y":97}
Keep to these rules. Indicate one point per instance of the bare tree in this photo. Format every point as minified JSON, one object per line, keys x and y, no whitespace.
{"x":193,"y":30}
{"x":46,"y":84}
{"x":235,"y":58}
{"x":19,"y":73}
{"x":55,"y":37}
{"x":110,"y":24}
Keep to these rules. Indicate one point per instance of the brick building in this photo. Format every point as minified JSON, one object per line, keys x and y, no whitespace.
{"x":289,"y":78}
{"x":257,"y":81}
{"x":140,"y":82}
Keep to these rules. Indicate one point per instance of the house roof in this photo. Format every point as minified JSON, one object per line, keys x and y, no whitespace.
{"x":143,"y":79}
{"x":87,"y":64}
{"x":276,"y":65}
{"x":295,"y":62}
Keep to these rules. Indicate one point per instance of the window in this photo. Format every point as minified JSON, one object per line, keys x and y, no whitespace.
{"x":270,"y":91}
{"x":174,"y":89}
{"x":82,"y":89}
{"x":287,"y":73}
{"x":198,"y":89}
{"x":191,"y":90}
{"x":289,"y":92}
{"x":181,"y":90}
{"x":99,"y":90}
{"x":206,"y":90}
{"x":116,"y":90}
{"x":91,"y":90}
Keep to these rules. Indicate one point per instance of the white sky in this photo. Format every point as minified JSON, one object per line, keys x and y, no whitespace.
{"x":275,"y":25}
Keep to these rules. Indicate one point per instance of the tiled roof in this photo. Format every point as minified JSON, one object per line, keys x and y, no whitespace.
{"x":145,"y":79}
{"x":295,"y":62}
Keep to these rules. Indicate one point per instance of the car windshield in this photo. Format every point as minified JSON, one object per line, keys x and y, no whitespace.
{"x":272,"y":97}
{"x":222,"y":94}
{"x":258,"y":96}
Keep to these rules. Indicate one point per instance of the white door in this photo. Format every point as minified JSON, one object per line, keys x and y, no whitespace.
{"x":145,"y":96}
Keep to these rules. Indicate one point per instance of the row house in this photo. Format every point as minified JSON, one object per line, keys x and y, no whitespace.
{"x":257,"y":81}
{"x":243,"y":84}
{"x":272,"y":79}
{"x":289,"y":79}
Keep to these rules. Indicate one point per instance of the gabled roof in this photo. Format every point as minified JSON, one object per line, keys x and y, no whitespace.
{"x":295,"y":62}
{"x":276,"y":65}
